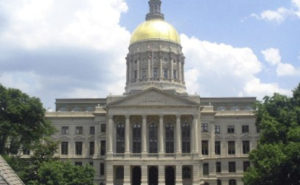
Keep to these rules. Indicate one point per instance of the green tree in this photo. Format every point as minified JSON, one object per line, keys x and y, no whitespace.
{"x":22,"y":121}
{"x":276,"y":161}
{"x":63,"y":173}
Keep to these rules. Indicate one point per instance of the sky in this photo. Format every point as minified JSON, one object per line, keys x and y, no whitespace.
{"x":77,"y":48}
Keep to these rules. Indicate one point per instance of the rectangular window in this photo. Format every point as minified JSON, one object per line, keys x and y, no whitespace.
{"x":231,"y":166}
{"x":119,"y":172}
{"x":205,"y":169}
{"x":102,"y":169}
{"x":92,"y":130}
{"x":153,"y":138}
{"x":79,"y":130}
{"x":230,"y":129}
{"x":64,"y":130}
{"x":144,"y":75}
{"x":155,"y":73}
{"x":135,"y":75}
{"x":232,"y":182}
{"x":64,"y":148}
{"x":218,"y":167}
{"x":92,"y":148}
{"x":26,"y":151}
{"x":246,"y":165}
{"x":186,"y":172}
{"x":205,"y":147}
{"x":231,"y":147}
{"x":103,"y":148}
{"x":78,"y":163}
{"x":169,"y":131}
{"x":136,"y":138}
{"x":175,"y":74}
{"x":245,"y":129}
{"x":217,"y":147}
{"x":186,"y":137}
{"x":246,"y":147}
{"x":219,"y":182}
{"x":91,"y":164}
{"x":217,"y":129}
{"x":78,"y":148}
{"x":103,"y":128}
{"x":204,"y":127}
{"x":120,"y":137}
{"x":166,"y":73}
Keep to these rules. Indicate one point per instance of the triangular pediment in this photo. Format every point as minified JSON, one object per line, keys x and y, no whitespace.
{"x":154,"y":97}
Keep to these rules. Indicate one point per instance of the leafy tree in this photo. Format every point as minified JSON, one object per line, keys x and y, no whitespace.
{"x":22,"y":121}
{"x":276,"y":161}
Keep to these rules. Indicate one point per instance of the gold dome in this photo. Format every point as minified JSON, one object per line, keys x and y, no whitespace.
{"x":156,"y":29}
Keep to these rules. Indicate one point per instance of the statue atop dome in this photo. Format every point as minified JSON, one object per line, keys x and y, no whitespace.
{"x":155,"y":10}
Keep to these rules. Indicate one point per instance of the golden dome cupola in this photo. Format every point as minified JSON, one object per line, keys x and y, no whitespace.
{"x":155,"y":57}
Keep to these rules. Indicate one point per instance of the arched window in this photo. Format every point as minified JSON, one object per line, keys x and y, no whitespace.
{"x":169,"y":129}
{"x":120,"y":138}
{"x":186,"y":137}
{"x":136,"y":138}
{"x":153,"y":138}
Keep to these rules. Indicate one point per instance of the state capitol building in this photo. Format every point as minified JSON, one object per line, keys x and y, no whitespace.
{"x":156,"y":133}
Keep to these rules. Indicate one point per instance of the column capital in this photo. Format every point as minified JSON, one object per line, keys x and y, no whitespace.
{"x":178,"y":116}
{"x":127,"y":116}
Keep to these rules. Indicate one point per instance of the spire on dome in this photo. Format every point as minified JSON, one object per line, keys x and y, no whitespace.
{"x":155,"y":12}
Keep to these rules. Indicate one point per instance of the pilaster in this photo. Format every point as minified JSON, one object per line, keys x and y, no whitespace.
{"x":144,"y":135}
{"x":161,"y":175}
{"x":161,"y":135}
{"x":144,"y":178}
{"x":178,"y":135}
{"x":110,"y":136}
{"x":178,"y":180}
{"x":127,"y":175}
{"x":127,"y":136}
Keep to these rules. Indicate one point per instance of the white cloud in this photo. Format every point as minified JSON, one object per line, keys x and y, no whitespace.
{"x":255,"y":86}
{"x":280,"y":14}
{"x":73,"y":48}
{"x":223,"y":70}
{"x":272,"y":56}
{"x":285,"y":69}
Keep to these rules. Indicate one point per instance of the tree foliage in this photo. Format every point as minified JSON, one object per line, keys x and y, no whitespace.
{"x":43,"y":169}
{"x":22,"y":121}
{"x":276,"y":160}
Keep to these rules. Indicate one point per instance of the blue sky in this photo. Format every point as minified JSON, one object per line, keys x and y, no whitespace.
{"x":77,"y":48}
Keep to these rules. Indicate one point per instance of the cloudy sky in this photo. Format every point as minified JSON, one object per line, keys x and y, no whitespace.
{"x":76,"y":48}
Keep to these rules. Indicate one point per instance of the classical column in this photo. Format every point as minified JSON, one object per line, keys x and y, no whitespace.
{"x":196,"y":172}
{"x":179,"y":72}
{"x":109,"y":135}
{"x":161,"y":175}
{"x":144,"y":178}
{"x":178,"y":175}
{"x":161,"y":135}
{"x":109,"y":173}
{"x":149,"y":69}
{"x":144,"y":135}
{"x":195,"y":135}
{"x":138,"y":70}
{"x":212,"y":139}
{"x":127,"y":136}
{"x":171,"y":72}
{"x":178,"y":135}
{"x":129,"y":72}
{"x":127,"y":175}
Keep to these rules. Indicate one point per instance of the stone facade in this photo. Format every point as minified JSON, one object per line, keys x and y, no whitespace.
{"x":156,"y":133}
{"x":7,"y":175}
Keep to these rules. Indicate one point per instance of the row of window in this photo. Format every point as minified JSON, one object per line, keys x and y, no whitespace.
{"x":79,"y":130}
{"x":231,"y":147}
{"x":230,"y":128}
{"x":231,"y":167}
{"x":155,"y":74}
{"x":79,"y":146}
